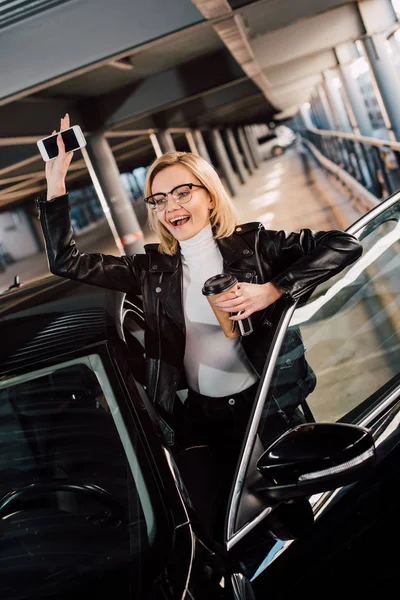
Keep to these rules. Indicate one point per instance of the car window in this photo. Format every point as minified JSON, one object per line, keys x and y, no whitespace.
{"x":339,"y":356}
{"x":342,"y":348}
{"x":75,"y":509}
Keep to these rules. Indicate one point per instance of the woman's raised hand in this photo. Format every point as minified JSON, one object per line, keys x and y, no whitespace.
{"x":56,"y":170}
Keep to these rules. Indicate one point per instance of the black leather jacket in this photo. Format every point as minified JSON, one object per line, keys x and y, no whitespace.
{"x":296,"y":262}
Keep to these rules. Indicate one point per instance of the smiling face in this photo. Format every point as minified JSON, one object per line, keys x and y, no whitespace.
{"x":196,"y":212}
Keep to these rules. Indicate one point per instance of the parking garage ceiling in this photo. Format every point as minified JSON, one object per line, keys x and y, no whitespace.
{"x":130,"y":69}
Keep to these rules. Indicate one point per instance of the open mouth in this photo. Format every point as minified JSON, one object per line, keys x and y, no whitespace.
{"x":178,"y":222}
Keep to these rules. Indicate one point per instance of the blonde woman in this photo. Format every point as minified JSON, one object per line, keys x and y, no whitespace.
{"x":199,"y":237}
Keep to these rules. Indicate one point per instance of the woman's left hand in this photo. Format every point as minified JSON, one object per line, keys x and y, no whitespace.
{"x":249,"y":298}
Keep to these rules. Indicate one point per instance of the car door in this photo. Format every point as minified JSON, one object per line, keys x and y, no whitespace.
{"x":348,"y":343}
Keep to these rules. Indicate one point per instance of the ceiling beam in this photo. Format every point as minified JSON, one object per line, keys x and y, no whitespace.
{"x":196,"y":111}
{"x":7,"y":198}
{"x":297,"y":69}
{"x":33,"y":175}
{"x":34,"y":55}
{"x":27,"y":119}
{"x":174,"y":86}
{"x":230,"y":27}
{"x":308,"y":36}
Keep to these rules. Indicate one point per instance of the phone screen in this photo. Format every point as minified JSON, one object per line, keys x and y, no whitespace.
{"x":70,"y":141}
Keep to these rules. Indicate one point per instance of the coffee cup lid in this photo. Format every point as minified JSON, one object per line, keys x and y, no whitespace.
{"x":218,"y":283}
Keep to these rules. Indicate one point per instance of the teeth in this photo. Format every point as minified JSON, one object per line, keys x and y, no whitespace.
{"x":177,"y":219}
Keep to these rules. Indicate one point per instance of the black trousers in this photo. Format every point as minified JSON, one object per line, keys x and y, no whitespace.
{"x":218,"y":422}
{"x":211,"y":434}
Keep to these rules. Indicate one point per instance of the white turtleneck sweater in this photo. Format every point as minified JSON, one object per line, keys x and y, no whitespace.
{"x":214,"y":364}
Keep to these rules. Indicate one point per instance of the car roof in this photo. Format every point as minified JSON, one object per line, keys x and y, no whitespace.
{"x":52,"y":316}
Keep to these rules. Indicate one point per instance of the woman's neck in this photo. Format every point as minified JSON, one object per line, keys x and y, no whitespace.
{"x":198,"y":244}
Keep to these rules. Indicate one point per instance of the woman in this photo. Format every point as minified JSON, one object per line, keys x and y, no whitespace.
{"x":199,"y":237}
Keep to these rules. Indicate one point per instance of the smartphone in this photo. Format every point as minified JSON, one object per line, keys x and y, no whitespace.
{"x":73,"y":140}
{"x":245,"y":326}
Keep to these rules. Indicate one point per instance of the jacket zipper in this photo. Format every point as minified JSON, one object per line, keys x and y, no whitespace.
{"x":159,"y":342}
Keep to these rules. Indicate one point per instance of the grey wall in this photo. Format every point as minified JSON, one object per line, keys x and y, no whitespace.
{"x":16,"y":234}
{"x":81,"y":32}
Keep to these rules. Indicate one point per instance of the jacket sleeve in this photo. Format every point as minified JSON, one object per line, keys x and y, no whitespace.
{"x":111,"y":272}
{"x":304,"y":260}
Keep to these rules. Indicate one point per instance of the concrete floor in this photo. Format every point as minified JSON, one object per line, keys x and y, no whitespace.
{"x":277,"y":195}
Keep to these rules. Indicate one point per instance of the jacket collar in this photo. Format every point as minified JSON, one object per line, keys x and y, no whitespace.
{"x":232,"y":248}
{"x":161,"y":263}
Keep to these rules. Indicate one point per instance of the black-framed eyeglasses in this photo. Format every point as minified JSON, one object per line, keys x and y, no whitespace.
{"x":181,"y":194}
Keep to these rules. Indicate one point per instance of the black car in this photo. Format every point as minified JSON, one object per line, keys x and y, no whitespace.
{"x":94,"y":505}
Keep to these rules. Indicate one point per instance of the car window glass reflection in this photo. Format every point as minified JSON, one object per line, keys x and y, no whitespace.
{"x":68,"y":497}
{"x":352,"y":340}
{"x":292,"y":382}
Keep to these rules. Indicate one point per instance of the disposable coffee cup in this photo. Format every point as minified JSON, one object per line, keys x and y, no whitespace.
{"x":218,"y":286}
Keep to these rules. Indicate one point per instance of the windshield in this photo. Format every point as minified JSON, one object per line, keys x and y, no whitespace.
{"x":75,"y":511}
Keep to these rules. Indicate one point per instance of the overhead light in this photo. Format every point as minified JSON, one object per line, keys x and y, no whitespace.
{"x":123,"y":64}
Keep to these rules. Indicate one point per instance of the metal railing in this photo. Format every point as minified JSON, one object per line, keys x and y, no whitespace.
{"x":373,"y":162}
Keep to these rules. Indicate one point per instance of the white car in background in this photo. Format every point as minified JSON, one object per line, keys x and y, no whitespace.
{"x":276,"y":141}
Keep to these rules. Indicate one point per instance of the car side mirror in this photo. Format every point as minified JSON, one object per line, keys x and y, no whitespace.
{"x":314,"y":458}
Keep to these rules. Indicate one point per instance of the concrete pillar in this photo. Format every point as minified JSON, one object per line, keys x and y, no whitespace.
{"x":326,"y":107}
{"x":333,"y":84}
{"x":306,"y":117}
{"x":116,"y":205}
{"x":323,"y":115}
{"x":297,"y":122}
{"x":224,"y":162}
{"x":251,"y":165}
{"x":316,"y":113}
{"x":253,"y":145}
{"x":156,"y":145}
{"x":237,"y":157}
{"x":378,"y":16}
{"x":325,"y":118}
{"x":346,"y":54}
{"x":201,"y":145}
{"x":166,"y":142}
{"x":191,"y":142}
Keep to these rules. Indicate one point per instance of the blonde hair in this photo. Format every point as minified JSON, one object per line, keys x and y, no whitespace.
{"x":223,"y":216}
